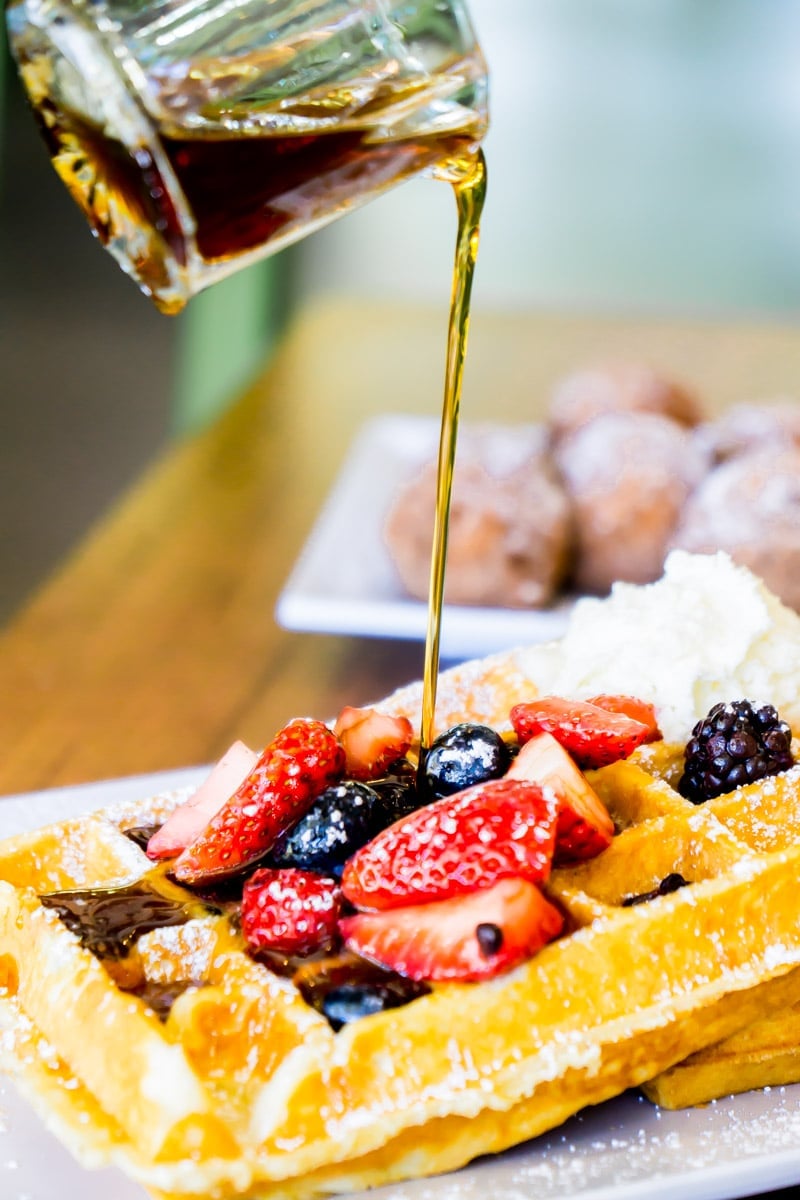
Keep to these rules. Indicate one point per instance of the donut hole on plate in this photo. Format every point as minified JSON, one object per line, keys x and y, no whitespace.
{"x":746,"y":427}
{"x":510,"y":536}
{"x":629,"y":474}
{"x":750,"y":507}
{"x":594,"y":391}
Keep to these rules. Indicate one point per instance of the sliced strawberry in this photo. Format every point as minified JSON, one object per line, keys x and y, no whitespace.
{"x":631,"y":706}
{"x":290,"y":911}
{"x":191,"y":817}
{"x":302,"y":760}
{"x":593,"y":736}
{"x":465,"y":938}
{"x":457,"y":844}
{"x":372,"y":740}
{"x":584,"y":825}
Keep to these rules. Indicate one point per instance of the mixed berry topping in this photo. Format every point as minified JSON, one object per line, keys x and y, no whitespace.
{"x":372,"y":741}
{"x":440,"y":941}
{"x":458,"y":844}
{"x":341,"y":820}
{"x":584,"y":827}
{"x":299,"y":763}
{"x":290,"y":911}
{"x":593,"y":735}
{"x":365,"y":875}
{"x":735,"y":744}
{"x":463,"y":756}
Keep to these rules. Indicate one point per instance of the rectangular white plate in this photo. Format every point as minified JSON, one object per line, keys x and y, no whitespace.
{"x":344,"y":581}
{"x":622,"y":1150}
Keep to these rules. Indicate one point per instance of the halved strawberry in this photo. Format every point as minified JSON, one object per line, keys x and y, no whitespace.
{"x":457,"y":844}
{"x":631,"y":706}
{"x":294,"y":768}
{"x":372,"y":740}
{"x":290,"y":911}
{"x":191,"y":817}
{"x":584,"y":824}
{"x":466,"y":938}
{"x":593,"y":736}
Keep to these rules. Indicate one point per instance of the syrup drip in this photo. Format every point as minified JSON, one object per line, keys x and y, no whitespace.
{"x":345,"y":987}
{"x":160,"y":997}
{"x":468,"y":176}
{"x":108,"y":921}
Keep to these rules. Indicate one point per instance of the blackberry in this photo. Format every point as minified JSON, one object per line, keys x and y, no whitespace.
{"x":341,"y":820}
{"x":734,"y":744}
{"x":463,"y":756}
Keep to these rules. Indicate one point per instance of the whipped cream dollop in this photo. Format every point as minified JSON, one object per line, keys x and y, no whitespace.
{"x":707,"y":631}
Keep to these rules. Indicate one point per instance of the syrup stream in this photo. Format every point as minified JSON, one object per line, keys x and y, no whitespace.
{"x":468,"y":177}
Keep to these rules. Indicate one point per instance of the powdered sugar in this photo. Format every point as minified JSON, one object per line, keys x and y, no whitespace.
{"x":628,"y":1148}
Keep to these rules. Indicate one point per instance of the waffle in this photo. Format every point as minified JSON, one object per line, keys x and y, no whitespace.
{"x":241,"y":1089}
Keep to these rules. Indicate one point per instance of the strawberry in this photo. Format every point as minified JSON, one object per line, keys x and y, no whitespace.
{"x":190,"y":818}
{"x":372,"y":740}
{"x":300,"y":761}
{"x":631,"y":706}
{"x":592,"y":735}
{"x":465,"y":938}
{"x":584,"y":824}
{"x":457,"y":844}
{"x":290,"y":911}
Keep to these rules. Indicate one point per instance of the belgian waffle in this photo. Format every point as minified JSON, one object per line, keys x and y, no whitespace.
{"x":244,"y":1090}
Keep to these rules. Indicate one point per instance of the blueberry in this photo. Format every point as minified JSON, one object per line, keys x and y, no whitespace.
{"x":342,"y":819}
{"x":465,"y":755}
{"x":350,"y":1002}
{"x":346,"y":988}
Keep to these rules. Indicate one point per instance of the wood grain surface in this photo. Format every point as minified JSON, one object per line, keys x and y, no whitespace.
{"x":155,"y":645}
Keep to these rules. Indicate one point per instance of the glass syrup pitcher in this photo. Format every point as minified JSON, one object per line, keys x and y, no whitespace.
{"x":198,"y":136}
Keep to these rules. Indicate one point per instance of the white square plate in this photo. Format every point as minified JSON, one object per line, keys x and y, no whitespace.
{"x":622,"y":1150}
{"x":344,"y":581}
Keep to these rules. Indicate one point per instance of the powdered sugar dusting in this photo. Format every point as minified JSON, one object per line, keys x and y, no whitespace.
{"x":628,"y":1148}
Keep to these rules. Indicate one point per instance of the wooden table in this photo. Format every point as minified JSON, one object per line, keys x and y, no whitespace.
{"x":154,"y":645}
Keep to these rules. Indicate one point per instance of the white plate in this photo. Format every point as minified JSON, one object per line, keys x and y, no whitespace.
{"x":344,"y":581}
{"x":622,"y":1150}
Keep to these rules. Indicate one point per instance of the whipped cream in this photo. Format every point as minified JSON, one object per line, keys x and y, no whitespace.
{"x":708,"y":630}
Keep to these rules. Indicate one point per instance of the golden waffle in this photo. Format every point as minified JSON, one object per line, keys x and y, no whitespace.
{"x":246,"y":1091}
{"x":764,"y":1054}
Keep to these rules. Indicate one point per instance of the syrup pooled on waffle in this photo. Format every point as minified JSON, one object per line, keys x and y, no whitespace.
{"x":334,"y":965}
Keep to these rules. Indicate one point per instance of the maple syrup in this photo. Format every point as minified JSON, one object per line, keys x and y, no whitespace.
{"x":469,"y":183}
{"x":109,"y":920}
{"x":240,"y":194}
{"x":193,"y":154}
